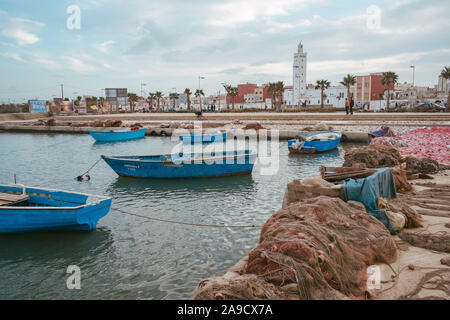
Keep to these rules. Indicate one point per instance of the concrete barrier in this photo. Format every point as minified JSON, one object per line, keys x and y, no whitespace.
{"x":158,"y":131}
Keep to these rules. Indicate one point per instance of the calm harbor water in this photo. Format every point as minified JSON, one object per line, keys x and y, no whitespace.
{"x":128,"y":257}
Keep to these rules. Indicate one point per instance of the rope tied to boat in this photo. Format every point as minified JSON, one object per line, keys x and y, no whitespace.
{"x":184,"y":223}
{"x":86,"y":174}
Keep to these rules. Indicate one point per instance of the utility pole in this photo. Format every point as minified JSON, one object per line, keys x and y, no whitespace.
{"x":62,"y":91}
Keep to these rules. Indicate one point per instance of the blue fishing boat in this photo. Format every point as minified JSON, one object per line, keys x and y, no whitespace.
{"x":184,"y":165}
{"x":205,"y":137}
{"x":118,"y":135}
{"x":26,"y":209}
{"x":315,"y":143}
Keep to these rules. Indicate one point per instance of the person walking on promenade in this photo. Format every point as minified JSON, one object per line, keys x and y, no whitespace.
{"x":347,"y":105}
{"x":352,"y":103}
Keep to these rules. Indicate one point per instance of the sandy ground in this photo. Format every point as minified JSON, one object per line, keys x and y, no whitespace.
{"x":403,"y":282}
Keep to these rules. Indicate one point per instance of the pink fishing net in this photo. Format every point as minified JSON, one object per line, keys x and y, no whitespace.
{"x":431,"y":143}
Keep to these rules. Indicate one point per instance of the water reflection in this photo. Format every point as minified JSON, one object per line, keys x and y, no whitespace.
{"x":141,"y":186}
{"x":39,"y":245}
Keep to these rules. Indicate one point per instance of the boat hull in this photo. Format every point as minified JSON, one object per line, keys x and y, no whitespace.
{"x":203,"y":138}
{"x":52,"y":210}
{"x":137,"y":168}
{"x":311,"y":147}
{"x":107,"y":136}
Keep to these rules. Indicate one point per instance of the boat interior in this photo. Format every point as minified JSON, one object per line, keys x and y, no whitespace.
{"x":21,"y":196}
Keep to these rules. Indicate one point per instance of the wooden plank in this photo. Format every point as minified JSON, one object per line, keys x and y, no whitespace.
{"x":9,"y":199}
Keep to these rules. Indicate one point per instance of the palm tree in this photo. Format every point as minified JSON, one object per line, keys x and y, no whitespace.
{"x":389,"y":79}
{"x":348,"y":81}
{"x":188,"y":92}
{"x":151,"y":97}
{"x":199,"y":93}
{"x":272,"y":90}
{"x":279,"y":89}
{"x":174,"y":97}
{"x":322,"y":85}
{"x":228,"y":90}
{"x":446,"y":75}
{"x":132,"y":97}
{"x":158,"y":96}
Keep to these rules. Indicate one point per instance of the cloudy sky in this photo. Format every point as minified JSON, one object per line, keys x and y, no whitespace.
{"x":168,"y":44}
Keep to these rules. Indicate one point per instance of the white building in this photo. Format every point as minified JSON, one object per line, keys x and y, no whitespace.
{"x":299,"y":75}
{"x":442,"y":85}
{"x":333,"y":96}
{"x":288,"y":96}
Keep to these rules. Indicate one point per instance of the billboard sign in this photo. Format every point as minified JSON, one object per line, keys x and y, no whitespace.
{"x":82,"y":107}
{"x":37,"y":106}
{"x":67,"y":106}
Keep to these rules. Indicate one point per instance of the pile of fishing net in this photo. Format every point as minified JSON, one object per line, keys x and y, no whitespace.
{"x":390,"y":141}
{"x":309,"y":188}
{"x":438,"y":241}
{"x":372,"y":156}
{"x":424,"y":165}
{"x":401,"y":180}
{"x":431,"y":143}
{"x":318,"y":248}
{"x":49,"y":123}
{"x":253,"y":126}
{"x":107,"y":123}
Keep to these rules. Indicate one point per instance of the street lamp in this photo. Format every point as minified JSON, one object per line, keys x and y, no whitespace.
{"x":199,"y":95}
{"x":142,"y":92}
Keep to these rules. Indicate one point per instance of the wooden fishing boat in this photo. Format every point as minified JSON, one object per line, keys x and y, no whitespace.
{"x":179,"y":165}
{"x":118,"y":135}
{"x":205,"y":137}
{"x":27,"y":209}
{"x":315,"y":143}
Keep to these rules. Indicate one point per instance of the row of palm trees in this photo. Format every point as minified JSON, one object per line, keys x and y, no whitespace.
{"x":276,"y":89}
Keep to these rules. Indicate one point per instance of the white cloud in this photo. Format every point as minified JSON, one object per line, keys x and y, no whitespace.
{"x":232,"y":13}
{"x":47,"y":63}
{"x":359,"y":66}
{"x":277,"y":27}
{"x":22,"y":30}
{"x":12,"y":55}
{"x":78,"y":65}
{"x":22,"y":37}
{"x":104,"y":46}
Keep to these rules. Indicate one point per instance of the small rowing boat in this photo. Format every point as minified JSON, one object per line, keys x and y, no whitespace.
{"x":180,"y":165}
{"x":205,"y":137}
{"x":118,"y":135}
{"x":26,"y":209}
{"x":315,"y":143}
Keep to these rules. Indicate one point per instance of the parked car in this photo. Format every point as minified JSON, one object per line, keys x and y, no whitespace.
{"x":430,"y":107}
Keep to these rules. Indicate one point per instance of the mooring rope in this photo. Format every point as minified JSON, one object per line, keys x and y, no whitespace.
{"x":185,"y":223}
{"x":80,"y":177}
